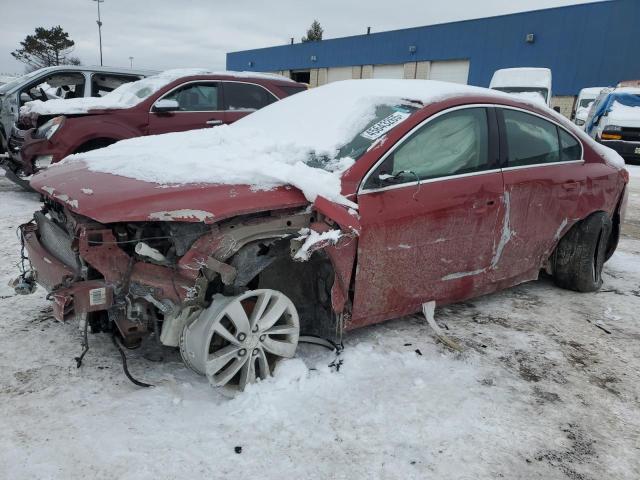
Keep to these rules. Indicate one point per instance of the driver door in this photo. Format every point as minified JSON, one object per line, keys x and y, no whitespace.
{"x":199,"y":106}
{"x":429,"y":212}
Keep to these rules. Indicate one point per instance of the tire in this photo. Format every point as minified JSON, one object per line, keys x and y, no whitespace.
{"x":580,"y":255}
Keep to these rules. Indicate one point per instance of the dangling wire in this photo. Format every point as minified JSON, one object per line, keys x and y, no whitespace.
{"x":124,"y":365}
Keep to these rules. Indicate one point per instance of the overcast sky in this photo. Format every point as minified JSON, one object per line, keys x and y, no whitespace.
{"x":163,"y":34}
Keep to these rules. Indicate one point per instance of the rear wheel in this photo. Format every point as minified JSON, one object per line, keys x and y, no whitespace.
{"x":581,"y":254}
{"x":239,"y":339}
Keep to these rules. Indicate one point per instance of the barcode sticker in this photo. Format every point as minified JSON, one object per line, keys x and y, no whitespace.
{"x":97,"y":296}
{"x":384,"y":125}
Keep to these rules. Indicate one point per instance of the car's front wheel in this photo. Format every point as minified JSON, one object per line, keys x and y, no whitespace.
{"x":239,"y":339}
{"x":581,"y":254}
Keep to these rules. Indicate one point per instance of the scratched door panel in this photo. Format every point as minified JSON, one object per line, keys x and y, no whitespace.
{"x":429,"y":242}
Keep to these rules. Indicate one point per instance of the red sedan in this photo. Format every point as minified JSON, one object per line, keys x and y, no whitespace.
{"x":340,"y":207}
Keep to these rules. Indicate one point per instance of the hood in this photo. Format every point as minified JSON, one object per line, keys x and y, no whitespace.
{"x":109,"y":198}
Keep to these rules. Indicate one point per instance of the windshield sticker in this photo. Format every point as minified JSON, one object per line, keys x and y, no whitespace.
{"x":384,"y":125}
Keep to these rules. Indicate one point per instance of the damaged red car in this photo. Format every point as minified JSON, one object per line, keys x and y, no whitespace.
{"x":388,"y":195}
{"x":172,"y":101}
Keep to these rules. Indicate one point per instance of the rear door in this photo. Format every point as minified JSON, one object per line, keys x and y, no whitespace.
{"x":243,"y":98}
{"x":430,"y":234}
{"x":200,"y":106}
{"x":544,"y":176}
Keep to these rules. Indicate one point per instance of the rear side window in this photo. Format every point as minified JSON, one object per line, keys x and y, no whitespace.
{"x":530,"y":139}
{"x":452,"y":144}
{"x":196,"y":97}
{"x":103,"y":83}
{"x":570,"y":147}
{"x":246,"y":96}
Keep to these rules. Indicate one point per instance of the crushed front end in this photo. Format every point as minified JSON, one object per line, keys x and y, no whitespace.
{"x":93,"y":270}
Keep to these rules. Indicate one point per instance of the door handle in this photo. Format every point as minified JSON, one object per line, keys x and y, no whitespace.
{"x":213,"y":122}
{"x":570,"y":185}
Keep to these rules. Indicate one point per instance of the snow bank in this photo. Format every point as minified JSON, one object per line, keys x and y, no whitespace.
{"x":127,"y":95}
{"x":272,"y":146}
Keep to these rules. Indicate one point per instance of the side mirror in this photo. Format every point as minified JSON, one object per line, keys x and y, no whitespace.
{"x":165,"y":106}
{"x":25,"y":97}
{"x":557,"y":109}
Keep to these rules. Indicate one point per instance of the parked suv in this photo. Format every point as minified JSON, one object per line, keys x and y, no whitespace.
{"x":66,"y":81}
{"x":614,"y":121}
{"x":173,"y":101}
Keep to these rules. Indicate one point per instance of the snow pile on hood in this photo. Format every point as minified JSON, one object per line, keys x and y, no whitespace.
{"x":272,"y":146}
{"x":127,"y":95}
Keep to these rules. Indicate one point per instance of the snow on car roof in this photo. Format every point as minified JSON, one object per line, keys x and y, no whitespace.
{"x":129,"y":94}
{"x":272,"y":147}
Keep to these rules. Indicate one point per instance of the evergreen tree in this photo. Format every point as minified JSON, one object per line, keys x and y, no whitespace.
{"x":314,"y":34}
{"x":46,"y":48}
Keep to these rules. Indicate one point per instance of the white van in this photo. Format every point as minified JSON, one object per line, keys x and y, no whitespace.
{"x":531,"y":83}
{"x":586,"y":97}
{"x":614,"y":121}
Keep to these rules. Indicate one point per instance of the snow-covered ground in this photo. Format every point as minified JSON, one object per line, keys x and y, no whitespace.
{"x":540,"y":391}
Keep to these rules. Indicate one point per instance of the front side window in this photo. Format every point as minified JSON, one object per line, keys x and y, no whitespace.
{"x":530,"y":139}
{"x":196,"y":97}
{"x":452,"y":144}
{"x":245,"y":96}
{"x":58,"y":85}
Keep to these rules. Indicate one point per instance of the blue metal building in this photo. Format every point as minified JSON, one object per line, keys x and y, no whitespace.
{"x":594,"y":44}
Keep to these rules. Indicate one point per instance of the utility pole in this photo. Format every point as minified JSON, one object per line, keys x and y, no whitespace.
{"x":131,"y":61}
{"x":99,"y":22}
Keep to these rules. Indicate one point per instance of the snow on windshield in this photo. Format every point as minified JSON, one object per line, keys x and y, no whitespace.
{"x":126,"y":95}
{"x":277,"y":145}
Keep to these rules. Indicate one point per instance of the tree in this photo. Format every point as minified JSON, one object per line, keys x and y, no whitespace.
{"x":314,"y":34}
{"x":46,"y":48}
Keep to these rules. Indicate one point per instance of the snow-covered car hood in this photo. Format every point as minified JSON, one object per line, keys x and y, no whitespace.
{"x":273,"y":146}
{"x":108,"y":199}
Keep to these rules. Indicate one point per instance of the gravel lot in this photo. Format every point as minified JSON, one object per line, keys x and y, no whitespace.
{"x":540,"y":391}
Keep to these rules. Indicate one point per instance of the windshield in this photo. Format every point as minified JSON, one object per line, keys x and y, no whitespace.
{"x":586,"y":102}
{"x":14,"y":83}
{"x":386,"y":118}
{"x":542,"y":91}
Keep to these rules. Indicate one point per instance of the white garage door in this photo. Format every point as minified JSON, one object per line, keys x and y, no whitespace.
{"x":456,"y":71}
{"x":388,"y":71}
{"x":338,"y":73}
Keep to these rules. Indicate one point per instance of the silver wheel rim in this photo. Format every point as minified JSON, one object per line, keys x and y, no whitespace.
{"x":240,"y":339}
